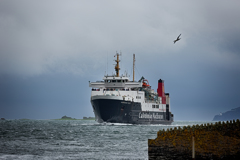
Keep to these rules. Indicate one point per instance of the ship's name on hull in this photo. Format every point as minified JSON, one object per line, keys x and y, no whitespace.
{"x":150,"y":115}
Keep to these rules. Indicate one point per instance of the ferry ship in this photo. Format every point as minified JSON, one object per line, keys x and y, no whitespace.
{"x":116,"y":99}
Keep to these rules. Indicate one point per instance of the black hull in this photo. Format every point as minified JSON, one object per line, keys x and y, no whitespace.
{"x":119,"y":111}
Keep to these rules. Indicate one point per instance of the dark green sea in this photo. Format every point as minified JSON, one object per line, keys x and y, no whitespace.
{"x":76,"y":139}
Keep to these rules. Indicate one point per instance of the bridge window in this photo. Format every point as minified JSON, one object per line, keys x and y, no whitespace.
{"x":157,"y":106}
{"x":95,"y":89}
{"x":153,"y":106}
{"x":108,"y":81}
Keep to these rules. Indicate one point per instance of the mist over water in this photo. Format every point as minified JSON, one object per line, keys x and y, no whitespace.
{"x":77,"y":139}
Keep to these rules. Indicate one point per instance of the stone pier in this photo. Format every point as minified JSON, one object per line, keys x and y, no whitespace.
{"x":212,"y":141}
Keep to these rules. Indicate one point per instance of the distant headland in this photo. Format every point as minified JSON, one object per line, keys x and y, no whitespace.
{"x":67,"y":118}
{"x":70,"y":118}
{"x":229,"y":115}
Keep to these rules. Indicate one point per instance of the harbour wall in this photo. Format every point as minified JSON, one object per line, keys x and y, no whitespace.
{"x":211,"y":141}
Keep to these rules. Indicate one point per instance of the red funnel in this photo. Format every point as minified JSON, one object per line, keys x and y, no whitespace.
{"x":160,"y":91}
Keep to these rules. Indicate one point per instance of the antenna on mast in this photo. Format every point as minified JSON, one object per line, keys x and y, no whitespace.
{"x":107,"y":63}
{"x":120,"y":59}
{"x":133,"y":65}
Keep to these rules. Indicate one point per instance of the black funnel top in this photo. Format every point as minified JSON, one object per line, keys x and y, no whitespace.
{"x":160,"y":81}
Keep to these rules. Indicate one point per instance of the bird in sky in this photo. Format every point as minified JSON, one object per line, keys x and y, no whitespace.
{"x":177,"y":39}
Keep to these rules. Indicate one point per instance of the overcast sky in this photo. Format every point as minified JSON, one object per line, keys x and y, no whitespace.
{"x":49,"y":50}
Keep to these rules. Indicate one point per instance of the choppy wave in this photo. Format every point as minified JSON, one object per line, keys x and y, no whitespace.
{"x":79,"y":139}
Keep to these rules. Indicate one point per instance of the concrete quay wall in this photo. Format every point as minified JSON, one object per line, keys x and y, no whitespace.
{"x":211,"y":141}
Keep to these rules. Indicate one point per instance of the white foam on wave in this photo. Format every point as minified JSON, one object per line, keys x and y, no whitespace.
{"x":114,"y":124}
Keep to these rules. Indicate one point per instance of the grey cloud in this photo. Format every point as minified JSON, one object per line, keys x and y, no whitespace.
{"x":45,"y":34}
{"x":75,"y":38}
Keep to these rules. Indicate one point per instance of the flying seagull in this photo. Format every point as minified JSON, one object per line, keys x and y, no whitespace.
{"x":177,"y":39}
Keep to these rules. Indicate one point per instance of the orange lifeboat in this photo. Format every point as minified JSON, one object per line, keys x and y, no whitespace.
{"x":145,"y":83}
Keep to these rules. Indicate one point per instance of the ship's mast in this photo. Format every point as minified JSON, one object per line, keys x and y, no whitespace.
{"x":117,"y":68}
{"x":133,"y":66}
